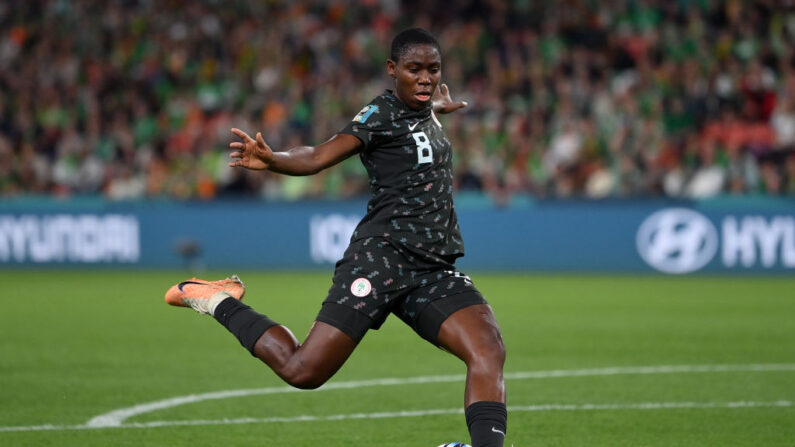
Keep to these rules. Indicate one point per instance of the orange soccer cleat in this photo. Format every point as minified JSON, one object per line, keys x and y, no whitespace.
{"x":203,"y":295}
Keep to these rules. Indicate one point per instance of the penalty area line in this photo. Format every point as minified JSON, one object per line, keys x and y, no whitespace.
{"x":417,"y":413}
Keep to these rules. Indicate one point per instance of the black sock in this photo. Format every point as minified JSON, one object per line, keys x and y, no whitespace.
{"x":242,"y":321}
{"x":487,"y":422}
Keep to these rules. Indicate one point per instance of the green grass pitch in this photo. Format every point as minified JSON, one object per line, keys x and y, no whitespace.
{"x":588,"y":360}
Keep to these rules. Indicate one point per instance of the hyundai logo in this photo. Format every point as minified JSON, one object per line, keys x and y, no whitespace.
{"x":677,"y":240}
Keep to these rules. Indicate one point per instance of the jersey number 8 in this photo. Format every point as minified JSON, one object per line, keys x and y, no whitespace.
{"x":424,"y":150}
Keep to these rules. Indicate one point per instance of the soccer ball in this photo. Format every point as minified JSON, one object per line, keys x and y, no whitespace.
{"x":455,"y":444}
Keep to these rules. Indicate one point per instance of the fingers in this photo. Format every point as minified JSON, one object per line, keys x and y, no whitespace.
{"x":244,"y":136}
{"x":239,"y":148}
{"x":444,"y":90}
{"x":453,"y":107}
{"x":246,"y":139}
{"x":249,"y":153}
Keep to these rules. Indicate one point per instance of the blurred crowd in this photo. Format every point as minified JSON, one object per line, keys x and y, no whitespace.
{"x":132,"y":99}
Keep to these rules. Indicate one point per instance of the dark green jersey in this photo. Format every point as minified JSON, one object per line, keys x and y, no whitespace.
{"x":409,"y":162}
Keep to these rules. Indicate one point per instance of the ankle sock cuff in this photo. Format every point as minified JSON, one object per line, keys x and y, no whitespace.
{"x":487,"y":422}
{"x":243,"y":322}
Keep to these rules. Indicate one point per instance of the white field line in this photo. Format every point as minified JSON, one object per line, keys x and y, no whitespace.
{"x":117,"y":417}
{"x":417,"y":413}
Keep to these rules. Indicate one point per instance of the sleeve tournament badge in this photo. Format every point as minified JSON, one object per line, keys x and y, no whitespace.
{"x":365,"y":113}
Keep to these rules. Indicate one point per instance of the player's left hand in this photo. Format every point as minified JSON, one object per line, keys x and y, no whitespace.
{"x":443,"y":103}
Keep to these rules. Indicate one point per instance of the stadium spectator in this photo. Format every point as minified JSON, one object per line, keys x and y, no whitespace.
{"x":569,"y":99}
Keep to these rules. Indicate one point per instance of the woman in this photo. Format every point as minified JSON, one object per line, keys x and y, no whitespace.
{"x":401,"y":257}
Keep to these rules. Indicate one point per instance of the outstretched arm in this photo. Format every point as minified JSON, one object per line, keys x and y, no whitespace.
{"x":255,"y":154}
{"x":443,"y":103}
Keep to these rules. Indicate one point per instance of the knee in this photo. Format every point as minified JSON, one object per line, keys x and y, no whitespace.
{"x":305,"y":382}
{"x":488,"y":357}
{"x":304,"y":377}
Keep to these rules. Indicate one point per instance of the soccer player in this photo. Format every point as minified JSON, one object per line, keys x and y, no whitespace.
{"x":401,"y":257}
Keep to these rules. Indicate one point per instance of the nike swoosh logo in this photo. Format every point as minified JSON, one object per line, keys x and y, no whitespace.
{"x":411,"y":127}
{"x":497,"y":431}
{"x":184,"y":283}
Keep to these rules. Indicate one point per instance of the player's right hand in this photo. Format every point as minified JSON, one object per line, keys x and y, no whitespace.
{"x":250,"y":153}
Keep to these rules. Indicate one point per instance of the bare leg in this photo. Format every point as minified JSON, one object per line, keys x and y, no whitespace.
{"x":472,"y":334}
{"x":307,"y":365}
